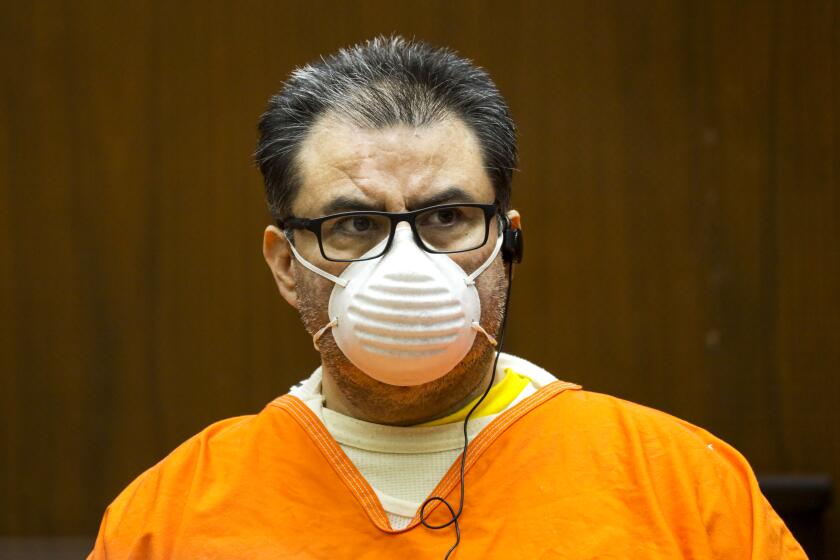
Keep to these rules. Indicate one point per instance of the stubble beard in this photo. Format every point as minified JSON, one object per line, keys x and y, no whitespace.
{"x":374,"y":401}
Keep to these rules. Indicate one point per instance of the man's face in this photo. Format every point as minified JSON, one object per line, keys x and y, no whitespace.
{"x":343,"y":168}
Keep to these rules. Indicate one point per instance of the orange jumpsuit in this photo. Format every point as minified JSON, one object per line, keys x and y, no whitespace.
{"x":565,"y":473}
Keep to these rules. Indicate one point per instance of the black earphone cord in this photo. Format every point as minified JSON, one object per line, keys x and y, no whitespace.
{"x":455,"y":516}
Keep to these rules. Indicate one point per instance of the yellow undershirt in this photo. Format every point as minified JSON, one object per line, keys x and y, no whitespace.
{"x":498,"y":399}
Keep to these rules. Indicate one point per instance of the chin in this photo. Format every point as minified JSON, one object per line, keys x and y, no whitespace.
{"x":405,"y":405}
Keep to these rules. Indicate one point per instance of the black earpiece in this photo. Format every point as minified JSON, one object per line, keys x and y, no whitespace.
{"x":512,"y":243}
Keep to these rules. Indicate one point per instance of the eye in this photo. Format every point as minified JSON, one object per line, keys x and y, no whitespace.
{"x":361,"y":223}
{"x":444,"y":217}
{"x":353,"y":225}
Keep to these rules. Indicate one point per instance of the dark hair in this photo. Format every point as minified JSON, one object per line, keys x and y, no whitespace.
{"x":382,"y":82}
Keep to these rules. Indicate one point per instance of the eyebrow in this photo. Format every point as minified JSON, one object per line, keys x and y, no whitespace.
{"x":451,"y":194}
{"x":350,"y":204}
{"x":345,"y":203}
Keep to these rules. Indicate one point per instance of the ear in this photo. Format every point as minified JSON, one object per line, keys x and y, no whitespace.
{"x":515,"y":219}
{"x":278,"y":256}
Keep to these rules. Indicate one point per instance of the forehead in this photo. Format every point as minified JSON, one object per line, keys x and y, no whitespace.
{"x":342,"y":166}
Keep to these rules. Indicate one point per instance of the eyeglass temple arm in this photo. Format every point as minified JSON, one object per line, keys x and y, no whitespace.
{"x":293,"y":223}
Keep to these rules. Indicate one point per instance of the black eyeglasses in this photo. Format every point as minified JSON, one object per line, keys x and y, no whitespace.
{"x":356,"y":236}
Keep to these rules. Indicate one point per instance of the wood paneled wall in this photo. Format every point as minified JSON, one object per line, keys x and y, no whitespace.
{"x":678,"y":184}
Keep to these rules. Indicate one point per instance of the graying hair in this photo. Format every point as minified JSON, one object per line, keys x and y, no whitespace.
{"x":379,"y":83}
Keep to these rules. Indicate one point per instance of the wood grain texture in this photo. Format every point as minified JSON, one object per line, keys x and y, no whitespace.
{"x":678,"y":184}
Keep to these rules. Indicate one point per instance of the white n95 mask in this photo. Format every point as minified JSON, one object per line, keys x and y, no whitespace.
{"x":405,"y":318}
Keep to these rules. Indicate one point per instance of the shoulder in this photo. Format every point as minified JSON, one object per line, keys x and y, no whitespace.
{"x":155,"y":501}
{"x":177,"y":468}
{"x":640,"y":466}
{"x":647,"y":442}
{"x":612,"y":416}
{"x":221,"y":439}
{"x":689,"y":474}
{"x":677,"y":460}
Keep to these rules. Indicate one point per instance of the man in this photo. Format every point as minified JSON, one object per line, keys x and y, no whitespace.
{"x":388,"y":169}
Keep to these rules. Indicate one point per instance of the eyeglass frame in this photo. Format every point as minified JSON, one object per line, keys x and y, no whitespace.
{"x":314,"y":225}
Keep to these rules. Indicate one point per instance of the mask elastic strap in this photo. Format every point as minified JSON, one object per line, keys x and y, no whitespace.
{"x":321,"y":332}
{"x":479,"y":328}
{"x":470,"y":280}
{"x":340,"y":281}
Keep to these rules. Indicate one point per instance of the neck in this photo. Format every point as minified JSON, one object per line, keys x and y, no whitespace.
{"x":349,"y":391}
